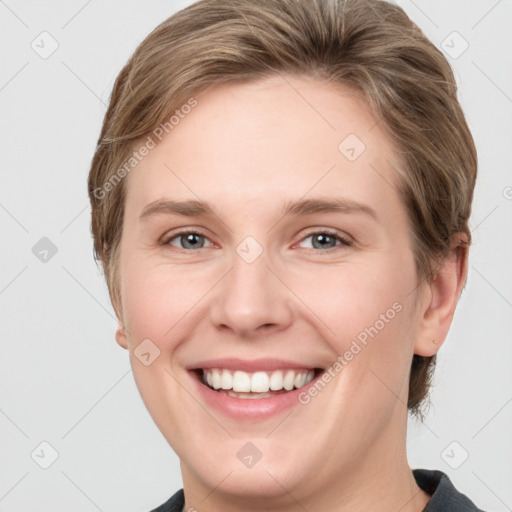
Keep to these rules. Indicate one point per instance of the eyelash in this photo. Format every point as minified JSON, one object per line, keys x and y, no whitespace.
{"x":345,"y":242}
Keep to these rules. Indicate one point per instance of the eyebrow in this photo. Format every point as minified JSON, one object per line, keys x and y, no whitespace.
{"x":302,"y":207}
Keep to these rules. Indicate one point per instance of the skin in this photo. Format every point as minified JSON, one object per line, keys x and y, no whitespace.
{"x":247,"y":149}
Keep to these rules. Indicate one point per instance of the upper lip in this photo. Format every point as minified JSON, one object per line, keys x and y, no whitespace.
{"x":250,"y":365}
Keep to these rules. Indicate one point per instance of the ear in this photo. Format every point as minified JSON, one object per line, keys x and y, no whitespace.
{"x":121,"y":335}
{"x":440,"y":297}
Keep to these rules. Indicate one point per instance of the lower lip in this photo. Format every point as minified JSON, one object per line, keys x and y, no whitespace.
{"x":250,"y":408}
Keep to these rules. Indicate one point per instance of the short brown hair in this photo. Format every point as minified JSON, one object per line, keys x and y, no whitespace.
{"x":369,"y":45}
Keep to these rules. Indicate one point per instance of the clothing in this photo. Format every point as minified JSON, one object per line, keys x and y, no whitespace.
{"x":174,"y":504}
{"x":444,"y":496}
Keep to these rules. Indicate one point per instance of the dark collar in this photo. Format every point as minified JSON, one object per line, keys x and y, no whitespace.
{"x":444,"y":496}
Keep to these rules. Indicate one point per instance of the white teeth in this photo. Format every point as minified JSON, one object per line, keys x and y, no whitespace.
{"x":289,"y":378}
{"x":300,"y":380}
{"x":257,"y":382}
{"x":241,"y":381}
{"x":276,"y":380}
{"x":226,"y":380}
{"x":216,"y":379}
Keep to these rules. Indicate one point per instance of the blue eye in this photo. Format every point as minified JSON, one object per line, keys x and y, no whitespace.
{"x":324,"y":240}
{"x":189,"y":240}
{"x":327,"y":240}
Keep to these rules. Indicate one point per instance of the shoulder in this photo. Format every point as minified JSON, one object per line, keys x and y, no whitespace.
{"x":444,"y":496}
{"x":174,"y":504}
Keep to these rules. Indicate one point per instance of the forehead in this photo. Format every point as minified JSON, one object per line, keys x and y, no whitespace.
{"x":278,"y":137}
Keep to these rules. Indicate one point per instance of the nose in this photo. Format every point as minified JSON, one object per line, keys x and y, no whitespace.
{"x":252,"y":300}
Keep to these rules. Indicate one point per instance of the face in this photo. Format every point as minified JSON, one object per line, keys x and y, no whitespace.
{"x":299,"y":275}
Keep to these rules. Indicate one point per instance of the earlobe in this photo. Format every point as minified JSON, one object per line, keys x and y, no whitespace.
{"x":442,"y":294}
{"x":121,"y":336}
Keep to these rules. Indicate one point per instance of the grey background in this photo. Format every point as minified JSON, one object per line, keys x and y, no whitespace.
{"x":66,"y":382}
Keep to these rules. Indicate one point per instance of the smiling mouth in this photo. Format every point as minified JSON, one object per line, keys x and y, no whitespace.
{"x":254,"y":385}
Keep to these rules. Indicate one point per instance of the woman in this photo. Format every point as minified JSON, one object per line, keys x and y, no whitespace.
{"x":280,"y":201}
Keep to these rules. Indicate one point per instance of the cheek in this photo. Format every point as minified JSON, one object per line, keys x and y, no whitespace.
{"x":365,"y":314}
{"x":351,"y":300}
{"x":159,"y":300}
